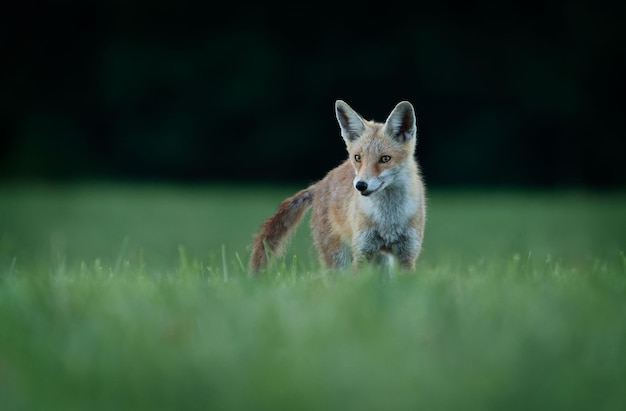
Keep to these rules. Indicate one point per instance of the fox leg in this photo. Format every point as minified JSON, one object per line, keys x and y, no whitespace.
{"x":332,"y":252}
{"x":408,"y":249}
{"x":331,"y":249}
{"x":339,"y":257}
{"x":366,"y":247}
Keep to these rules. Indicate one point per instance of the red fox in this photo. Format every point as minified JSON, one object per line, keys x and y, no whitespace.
{"x":367,"y":209}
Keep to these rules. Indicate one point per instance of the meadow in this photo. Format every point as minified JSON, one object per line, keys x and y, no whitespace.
{"x":136,"y":296}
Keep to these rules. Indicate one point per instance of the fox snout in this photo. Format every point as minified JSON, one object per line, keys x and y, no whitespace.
{"x":367,"y":187}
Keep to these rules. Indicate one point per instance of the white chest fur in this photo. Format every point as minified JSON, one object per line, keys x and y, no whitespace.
{"x":389,"y":211}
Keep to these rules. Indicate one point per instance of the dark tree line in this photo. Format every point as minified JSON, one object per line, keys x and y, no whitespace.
{"x":505,"y":95}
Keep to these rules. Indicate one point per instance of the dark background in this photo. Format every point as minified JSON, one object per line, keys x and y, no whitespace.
{"x":506,"y":95}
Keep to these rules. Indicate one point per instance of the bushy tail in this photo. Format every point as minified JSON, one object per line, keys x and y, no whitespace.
{"x":276,"y":229}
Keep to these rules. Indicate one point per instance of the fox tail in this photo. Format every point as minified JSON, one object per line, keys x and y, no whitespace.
{"x":277,"y":228}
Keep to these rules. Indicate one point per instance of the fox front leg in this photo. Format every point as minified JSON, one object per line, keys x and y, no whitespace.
{"x":408,"y":249}
{"x":366,"y":247}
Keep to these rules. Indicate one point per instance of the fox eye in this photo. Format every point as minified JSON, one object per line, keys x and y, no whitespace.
{"x":385,"y":159}
{"x":357,"y":158}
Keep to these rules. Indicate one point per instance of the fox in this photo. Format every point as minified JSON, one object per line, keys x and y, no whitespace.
{"x":371,"y":209}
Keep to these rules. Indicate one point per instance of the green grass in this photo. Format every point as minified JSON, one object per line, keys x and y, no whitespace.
{"x":137,"y":297}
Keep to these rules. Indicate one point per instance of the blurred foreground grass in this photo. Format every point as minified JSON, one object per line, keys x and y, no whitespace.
{"x":136,"y":297}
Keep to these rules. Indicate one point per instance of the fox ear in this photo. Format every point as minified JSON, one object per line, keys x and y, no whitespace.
{"x":350,"y":122}
{"x":401,"y":123}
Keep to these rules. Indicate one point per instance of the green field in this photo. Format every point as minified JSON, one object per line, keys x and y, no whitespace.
{"x":136,"y":297}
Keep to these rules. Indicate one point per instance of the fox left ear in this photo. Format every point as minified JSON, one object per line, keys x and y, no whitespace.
{"x":401,"y":123}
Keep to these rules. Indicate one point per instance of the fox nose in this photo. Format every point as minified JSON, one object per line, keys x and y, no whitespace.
{"x":361,"y":185}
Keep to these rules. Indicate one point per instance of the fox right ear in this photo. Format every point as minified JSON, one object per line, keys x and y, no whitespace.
{"x":350,"y":122}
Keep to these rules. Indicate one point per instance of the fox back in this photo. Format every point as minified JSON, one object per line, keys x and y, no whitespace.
{"x":369,"y":208}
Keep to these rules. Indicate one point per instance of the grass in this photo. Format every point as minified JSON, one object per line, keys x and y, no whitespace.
{"x":137,"y":297}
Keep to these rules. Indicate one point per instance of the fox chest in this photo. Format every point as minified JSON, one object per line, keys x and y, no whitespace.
{"x":388,"y":219}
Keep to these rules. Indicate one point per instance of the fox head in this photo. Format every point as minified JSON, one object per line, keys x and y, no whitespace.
{"x":378,"y":152}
